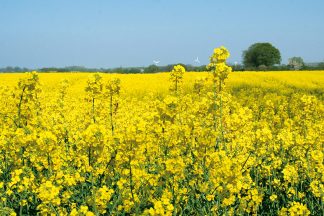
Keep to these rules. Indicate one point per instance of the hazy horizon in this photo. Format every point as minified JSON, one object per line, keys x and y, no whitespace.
{"x":109,"y":34}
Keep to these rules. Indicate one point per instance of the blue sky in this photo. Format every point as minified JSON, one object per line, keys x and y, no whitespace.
{"x":113,"y":33}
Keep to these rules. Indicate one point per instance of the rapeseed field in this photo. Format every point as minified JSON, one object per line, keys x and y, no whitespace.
{"x":176,"y":143}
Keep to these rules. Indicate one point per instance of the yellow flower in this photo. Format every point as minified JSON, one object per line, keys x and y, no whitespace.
{"x":290,"y":174}
{"x":9,"y":192}
{"x":273,"y":197}
{"x":228,"y":201}
{"x":83,"y":209}
{"x":49,"y":193}
{"x":298,"y":209}
{"x":210,"y":197}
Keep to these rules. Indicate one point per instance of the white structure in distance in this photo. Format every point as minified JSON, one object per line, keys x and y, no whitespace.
{"x":197,"y":60}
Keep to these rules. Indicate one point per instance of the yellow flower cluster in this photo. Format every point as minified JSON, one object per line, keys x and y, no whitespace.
{"x":219,"y":55}
{"x":295,"y":209}
{"x":176,"y":77}
{"x":116,"y":145}
{"x":218,"y":66}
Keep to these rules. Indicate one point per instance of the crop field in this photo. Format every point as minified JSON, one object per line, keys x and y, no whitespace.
{"x":176,"y":143}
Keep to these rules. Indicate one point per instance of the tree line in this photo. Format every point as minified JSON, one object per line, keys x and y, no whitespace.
{"x":126,"y":70}
{"x":258,"y":57}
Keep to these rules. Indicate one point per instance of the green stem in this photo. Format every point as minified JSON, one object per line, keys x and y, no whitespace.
{"x":221,"y":121}
{"x":214,"y":113}
{"x":111,"y":114}
{"x":93,"y":110}
{"x":131,"y":177}
{"x":89,"y":155}
{"x":19,"y":106}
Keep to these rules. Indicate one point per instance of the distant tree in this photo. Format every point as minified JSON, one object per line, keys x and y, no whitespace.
{"x":170,"y":67}
{"x":236,"y":67}
{"x":296,"y":63}
{"x":151,"y":69}
{"x":201,"y":68}
{"x":10,"y":69}
{"x":261,"y":54}
{"x":131,"y":70}
{"x":320,"y":66}
{"x":262,"y":68}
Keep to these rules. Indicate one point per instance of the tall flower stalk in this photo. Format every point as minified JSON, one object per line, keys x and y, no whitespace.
{"x":94,"y":89}
{"x":112,"y":93}
{"x":176,"y":78}
{"x":220,"y":71}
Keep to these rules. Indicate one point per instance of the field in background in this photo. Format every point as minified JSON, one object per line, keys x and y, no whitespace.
{"x":140,"y":84}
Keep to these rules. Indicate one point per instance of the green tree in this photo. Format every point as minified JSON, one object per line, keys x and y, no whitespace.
{"x":296,"y":63}
{"x":151,"y":69}
{"x":320,"y":66}
{"x":261,"y":54}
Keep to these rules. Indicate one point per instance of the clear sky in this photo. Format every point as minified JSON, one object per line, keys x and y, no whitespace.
{"x":113,"y":33}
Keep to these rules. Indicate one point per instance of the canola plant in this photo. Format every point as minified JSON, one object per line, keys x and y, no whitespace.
{"x":198,"y":148}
